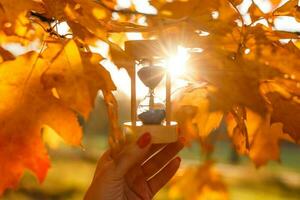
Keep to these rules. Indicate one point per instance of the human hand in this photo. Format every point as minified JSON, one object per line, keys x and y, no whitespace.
{"x":139,"y":171}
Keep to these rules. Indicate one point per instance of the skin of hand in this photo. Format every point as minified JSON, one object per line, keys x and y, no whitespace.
{"x":140,"y":170}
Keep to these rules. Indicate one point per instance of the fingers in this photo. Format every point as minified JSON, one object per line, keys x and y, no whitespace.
{"x":155,"y":163}
{"x":155,"y":148}
{"x":104,"y":159}
{"x":160,"y":179}
{"x":133,"y":154}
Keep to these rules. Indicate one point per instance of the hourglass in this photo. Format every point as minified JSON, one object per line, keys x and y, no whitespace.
{"x":151,"y":114}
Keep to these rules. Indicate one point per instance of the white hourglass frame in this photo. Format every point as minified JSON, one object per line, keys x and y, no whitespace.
{"x":167,"y":132}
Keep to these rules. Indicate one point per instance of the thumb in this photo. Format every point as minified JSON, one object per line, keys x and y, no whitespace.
{"x":133,"y":154}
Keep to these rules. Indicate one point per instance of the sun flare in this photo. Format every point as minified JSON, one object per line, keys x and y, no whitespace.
{"x":176,"y":64}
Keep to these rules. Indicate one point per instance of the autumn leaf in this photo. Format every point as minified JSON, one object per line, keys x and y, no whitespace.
{"x":255,"y":136}
{"x":86,"y":18}
{"x":192,"y":111}
{"x":184,"y":115}
{"x":115,"y":130}
{"x":6,"y":55}
{"x":237,"y":80}
{"x":76,"y":76}
{"x":13,"y":18}
{"x":171,"y":10}
{"x":121,"y":58}
{"x":236,"y":2}
{"x":290,"y":8}
{"x":255,"y":12}
{"x":275,"y":3}
{"x":26,"y":106}
{"x":211,"y":16}
{"x":238,"y":130}
{"x":286,"y":111}
{"x":207,"y":184}
{"x":265,"y":145}
{"x":29,"y":103}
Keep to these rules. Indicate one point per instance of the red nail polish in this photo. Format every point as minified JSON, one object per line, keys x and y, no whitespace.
{"x":144,"y":140}
{"x":178,"y":159}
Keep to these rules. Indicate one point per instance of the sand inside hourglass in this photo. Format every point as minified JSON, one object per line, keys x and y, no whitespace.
{"x":151,"y":110}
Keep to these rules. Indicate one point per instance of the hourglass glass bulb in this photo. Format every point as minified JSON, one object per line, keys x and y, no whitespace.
{"x":151,"y":76}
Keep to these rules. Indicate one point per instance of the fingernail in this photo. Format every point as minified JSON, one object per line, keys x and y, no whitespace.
{"x":178,"y":159}
{"x":144,"y":140}
{"x":182,"y":140}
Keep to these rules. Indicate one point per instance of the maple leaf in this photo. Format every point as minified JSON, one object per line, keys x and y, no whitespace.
{"x":121,"y":58}
{"x":76,"y":76}
{"x":116,"y":135}
{"x":265,"y":145}
{"x":13,"y":18}
{"x":86,"y":18}
{"x":286,"y":111}
{"x":238,"y":129}
{"x":210,"y":16}
{"x":255,"y":12}
{"x":275,"y":3}
{"x":192,"y":111}
{"x":236,"y":2}
{"x":290,"y":8}
{"x":26,"y":106}
{"x":6,"y":55}
{"x":255,"y":136}
{"x":237,"y":80}
{"x":207,"y":184}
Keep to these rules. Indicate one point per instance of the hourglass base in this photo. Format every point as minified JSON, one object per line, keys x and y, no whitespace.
{"x":161,"y":134}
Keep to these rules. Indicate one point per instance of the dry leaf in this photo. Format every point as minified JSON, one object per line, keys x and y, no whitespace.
{"x":290,"y":8}
{"x":25,"y":107}
{"x":192,"y":111}
{"x":265,"y":145}
{"x":206,"y":184}
{"x":286,"y":111}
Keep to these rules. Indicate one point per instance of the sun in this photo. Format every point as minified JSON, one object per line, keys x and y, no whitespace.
{"x":176,"y":64}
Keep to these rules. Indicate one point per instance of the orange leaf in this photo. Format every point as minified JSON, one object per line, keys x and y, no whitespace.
{"x":237,"y":80}
{"x":121,"y":58}
{"x":204,"y":182}
{"x":286,"y":111}
{"x":6,"y":55}
{"x":242,"y":128}
{"x":265,"y":145}
{"x":13,"y":19}
{"x":76,"y":76}
{"x":290,"y":8}
{"x":255,"y":12}
{"x":25,"y":107}
{"x":192,"y":111}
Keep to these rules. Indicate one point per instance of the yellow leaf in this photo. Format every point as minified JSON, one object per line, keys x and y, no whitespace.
{"x":290,"y":8}
{"x":204,"y":182}
{"x":265,"y":145}
{"x":76,"y":76}
{"x":192,"y":109}
{"x":26,"y":106}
